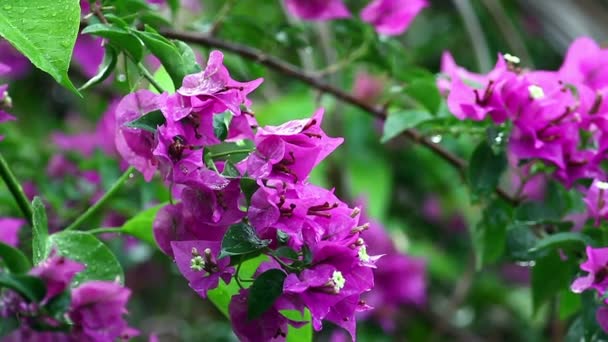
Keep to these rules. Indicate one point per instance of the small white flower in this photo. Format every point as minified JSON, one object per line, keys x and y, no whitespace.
{"x":602,"y":185}
{"x":536,"y":92}
{"x":338,"y":280}
{"x":511,"y":59}
{"x":362,"y":253}
{"x":197,"y":263}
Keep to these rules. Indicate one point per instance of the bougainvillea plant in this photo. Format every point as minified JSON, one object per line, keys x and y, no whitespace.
{"x":287,"y":170}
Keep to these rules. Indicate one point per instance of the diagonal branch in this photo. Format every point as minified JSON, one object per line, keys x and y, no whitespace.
{"x":292,"y":71}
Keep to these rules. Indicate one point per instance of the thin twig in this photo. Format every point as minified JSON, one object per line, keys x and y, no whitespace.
{"x":95,"y":207}
{"x":294,"y":72}
{"x":16,"y":190}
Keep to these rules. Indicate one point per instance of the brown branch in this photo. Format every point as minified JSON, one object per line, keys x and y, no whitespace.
{"x":292,"y":71}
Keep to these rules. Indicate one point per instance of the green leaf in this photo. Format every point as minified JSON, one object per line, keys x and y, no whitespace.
{"x":489,"y":235}
{"x":425,"y":92}
{"x":485,"y":169}
{"x":569,"y":304}
{"x":140,"y":226}
{"x":241,"y":239}
{"x":100,"y":262}
{"x":303,"y":333}
{"x":44,"y":31}
{"x":8,"y":325}
{"x":59,"y":305}
{"x":148,"y":122}
{"x":221,"y":296}
{"x":14,"y":259}
{"x":553,"y":207}
{"x":520,"y":240}
{"x":564,"y":240}
{"x":40,"y":231}
{"x":230,"y":170}
{"x":105,"y":69}
{"x":120,"y":38}
{"x":161,"y":76}
{"x":31,"y":288}
{"x":249,"y":186}
{"x":550,"y":275}
{"x":173,"y":6}
{"x":178,"y":59}
{"x":399,"y":121}
{"x":264,"y":291}
{"x":286,"y":252}
{"x":221,"y":122}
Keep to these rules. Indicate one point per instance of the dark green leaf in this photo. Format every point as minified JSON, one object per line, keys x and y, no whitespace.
{"x":569,"y":304}
{"x":222,"y":295}
{"x":520,"y":240}
{"x":8,"y":325}
{"x":148,"y":122}
{"x":564,"y":240}
{"x":178,"y":59}
{"x":241,"y":239}
{"x":282,"y":237}
{"x":14,"y":259}
{"x":100,"y":262}
{"x":140,"y":226}
{"x":286,"y":252}
{"x":425,"y":92}
{"x":59,"y":305}
{"x":249,"y":186}
{"x":121,"y":39}
{"x":40,"y":231}
{"x":230,"y":170}
{"x":31,"y":288}
{"x":265,"y":290}
{"x":550,"y":275}
{"x":485,"y":169}
{"x":221,"y":122}
{"x":489,"y":235}
{"x":105,"y":69}
{"x":44,"y":31}
{"x":399,"y":121}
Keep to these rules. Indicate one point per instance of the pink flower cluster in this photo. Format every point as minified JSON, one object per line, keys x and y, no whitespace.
{"x":95,"y":312}
{"x":389,"y":17}
{"x":324,"y":268}
{"x":558,"y":117}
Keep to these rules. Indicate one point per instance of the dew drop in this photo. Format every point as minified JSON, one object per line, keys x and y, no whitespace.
{"x":122,"y":78}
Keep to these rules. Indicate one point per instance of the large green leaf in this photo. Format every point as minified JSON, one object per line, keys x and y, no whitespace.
{"x":264,"y":291}
{"x":31,"y":288}
{"x":490,"y":234}
{"x":550,"y":275}
{"x":44,"y":31}
{"x":241,"y":239}
{"x":140,"y":226}
{"x":14,"y":259}
{"x":120,"y":38}
{"x":485,"y":169}
{"x":40,"y":231}
{"x":399,"y":121}
{"x":177,"y":58}
{"x":100,"y":262}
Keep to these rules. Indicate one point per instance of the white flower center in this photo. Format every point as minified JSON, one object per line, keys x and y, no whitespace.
{"x":602,"y":185}
{"x":338,"y":279}
{"x":197,"y":263}
{"x":362,"y":253}
{"x":511,"y":59}
{"x":536,"y":92}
